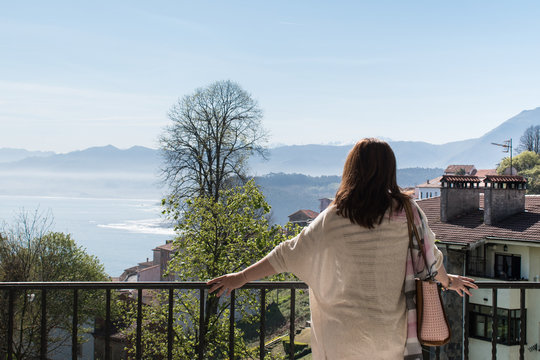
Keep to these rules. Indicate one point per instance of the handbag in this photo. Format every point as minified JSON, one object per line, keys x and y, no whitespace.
{"x":432,"y":324}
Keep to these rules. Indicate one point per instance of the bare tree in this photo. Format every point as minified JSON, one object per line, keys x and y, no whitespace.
{"x":213,"y":133}
{"x":530,"y":140}
{"x":31,"y":251}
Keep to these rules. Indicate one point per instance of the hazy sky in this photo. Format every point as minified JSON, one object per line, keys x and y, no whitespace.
{"x":76,"y":74}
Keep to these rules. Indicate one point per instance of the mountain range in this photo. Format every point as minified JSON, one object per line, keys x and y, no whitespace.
{"x":111,"y":172}
{"x":314,"y":160}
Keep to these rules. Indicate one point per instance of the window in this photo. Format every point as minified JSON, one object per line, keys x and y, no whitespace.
{"x":508,"y":324}
{"x":507,"y":267}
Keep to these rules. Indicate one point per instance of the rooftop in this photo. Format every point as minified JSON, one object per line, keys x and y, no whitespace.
{"x":469,"y":229}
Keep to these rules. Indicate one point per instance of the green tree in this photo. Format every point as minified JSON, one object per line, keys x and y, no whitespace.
{"x":527,"y":165}
{"x":30,"y":251}
{"x":215,"y":237}
{"x":213,"y":133}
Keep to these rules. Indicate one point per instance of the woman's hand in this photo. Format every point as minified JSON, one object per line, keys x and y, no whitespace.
{"x":227,"y":283}
{"x":460,"y":284}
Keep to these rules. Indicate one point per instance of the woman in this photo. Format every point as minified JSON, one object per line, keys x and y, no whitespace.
{"x":353,"y":256}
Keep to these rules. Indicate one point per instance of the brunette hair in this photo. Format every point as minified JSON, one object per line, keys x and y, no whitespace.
{"x":368,"y":185}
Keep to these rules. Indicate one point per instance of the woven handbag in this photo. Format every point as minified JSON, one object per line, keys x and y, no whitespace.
{"x":432,"y":324}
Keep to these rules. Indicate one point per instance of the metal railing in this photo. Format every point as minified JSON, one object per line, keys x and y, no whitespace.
{"x":75,"y":287}
{"x":262,"y":286}
{"x":522,"y":286}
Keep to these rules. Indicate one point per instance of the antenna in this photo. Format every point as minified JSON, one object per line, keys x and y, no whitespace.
{"x":507,"y":147}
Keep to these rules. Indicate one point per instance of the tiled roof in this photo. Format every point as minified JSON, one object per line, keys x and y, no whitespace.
{"x":308,"y":213}
{"x":460,"y":178}
{"x":470,"y":228}
{"x":433,"y":183}
{"x":452,"y":169}
{"x":168,"y":246}
{"x":483,"y":172}
{"x":505,"y":178}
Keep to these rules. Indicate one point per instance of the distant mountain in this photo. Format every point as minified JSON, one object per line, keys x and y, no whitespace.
{"x":328,"y":160}
{"x":482,"y":153}
{"x":96,"y":159}
{"x":11,"y":155}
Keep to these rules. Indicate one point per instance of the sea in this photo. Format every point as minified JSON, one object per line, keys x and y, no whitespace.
{"x":120,"y":232}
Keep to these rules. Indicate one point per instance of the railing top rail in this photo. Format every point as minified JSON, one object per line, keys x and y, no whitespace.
{"x":202,"y":285}
{"x":145,"y":285}
{"x":508,"y":284}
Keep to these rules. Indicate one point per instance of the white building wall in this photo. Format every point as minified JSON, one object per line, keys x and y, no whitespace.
{"x":510,"y":299}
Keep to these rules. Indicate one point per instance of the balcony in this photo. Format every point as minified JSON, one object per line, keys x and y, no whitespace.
{"x":8,"y":291}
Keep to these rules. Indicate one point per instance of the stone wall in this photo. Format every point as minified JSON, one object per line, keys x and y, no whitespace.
{"x":454,"y":262}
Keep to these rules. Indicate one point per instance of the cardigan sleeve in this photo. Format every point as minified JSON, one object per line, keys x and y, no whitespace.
{"x":296,"y":255}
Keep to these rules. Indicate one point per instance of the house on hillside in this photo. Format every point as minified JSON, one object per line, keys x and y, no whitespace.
{"x":151,"y":270}
{"x":460,"y":170}
{"x":432,"y":187}
{"x":428,"y":189}
{"x":303,"y":217}
{"x":489,"y":232}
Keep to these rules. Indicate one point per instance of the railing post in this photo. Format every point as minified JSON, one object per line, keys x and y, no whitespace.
{"x":107,"y":324}
{"x":138,"y":345}
{"x":231,"y":325}
{"x":74,"y":335}
{"x":494,"y":326}
{"x":466,"y":329}
{"x":201,"y":324}
{"x":170,"y":325}
{"x":263,"y":325}
{"x":43,"y":350}
{"x":292,"y":320}
{"x":10,"y":324}
{"x":522,"y":324}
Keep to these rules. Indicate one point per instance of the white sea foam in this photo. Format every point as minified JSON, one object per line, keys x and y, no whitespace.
{"x":146,"y":226}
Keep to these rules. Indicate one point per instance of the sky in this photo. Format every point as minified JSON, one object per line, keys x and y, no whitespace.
{"x":77,"y":74}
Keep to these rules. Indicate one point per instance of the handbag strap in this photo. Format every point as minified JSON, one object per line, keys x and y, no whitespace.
{"x":413,"y":230}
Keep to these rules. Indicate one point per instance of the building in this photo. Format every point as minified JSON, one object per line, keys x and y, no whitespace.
{"x":303,"y":217}
{"x":460,"y":170}
{"x":489,"y":230}
{"x":428,"y":189}
{"x":151,"y":270}
{"x":432,"y":187}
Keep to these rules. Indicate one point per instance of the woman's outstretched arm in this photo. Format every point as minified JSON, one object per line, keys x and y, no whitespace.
{"x":229,"y":282}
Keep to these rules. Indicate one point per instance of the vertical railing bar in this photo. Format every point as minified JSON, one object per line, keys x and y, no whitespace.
{"x":43,"y":330}
{"x":108,"y":324}
{"x":263,"y":324}
{"x":9,"y":348}
{"x":291,"y":325}
{"x":522,"y":324}
{"x":74,"y":334}
{"x":466,"y":329}
{"x":170,"y":325}
{"x":231,"y":325}
{"x":202,"y":334}
{"x":138,"y":346}
{"x":494,"y":326}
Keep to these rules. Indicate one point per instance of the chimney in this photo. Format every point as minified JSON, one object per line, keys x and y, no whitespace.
{"x":459,"y":195}
{"x":504,"y":195}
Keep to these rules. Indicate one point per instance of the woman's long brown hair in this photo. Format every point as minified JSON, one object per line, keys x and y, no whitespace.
{"x":369,"y":184}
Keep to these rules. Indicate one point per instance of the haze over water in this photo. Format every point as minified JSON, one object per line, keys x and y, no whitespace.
{"x":120,"y":232}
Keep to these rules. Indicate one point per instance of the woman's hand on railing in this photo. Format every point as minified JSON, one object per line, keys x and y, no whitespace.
{"x":460,"y":284}
{"x":227,"y":283}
